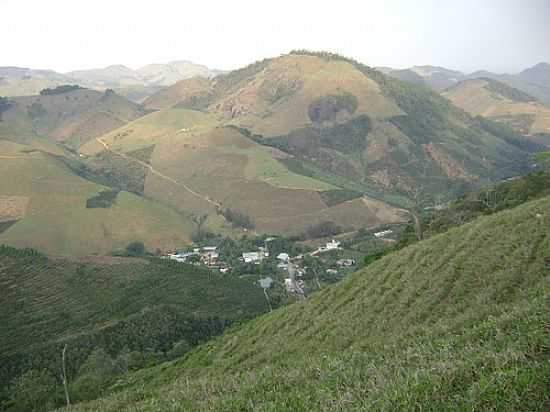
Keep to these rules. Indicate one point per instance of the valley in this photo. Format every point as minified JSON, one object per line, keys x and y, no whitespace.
{"x":303,"y":233}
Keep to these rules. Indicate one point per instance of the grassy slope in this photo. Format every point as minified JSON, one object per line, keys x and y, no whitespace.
{"x":479,"y":98}
{"x":221,"y":164}
{"x":416,"y":136}
{"x":457,"y":322}
{"x":100,"y":291}
{"x":48,"y":301}
{"x":57,"y":221}
{"x":73,"y":117}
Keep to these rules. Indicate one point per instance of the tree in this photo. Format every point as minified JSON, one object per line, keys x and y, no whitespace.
{"x":5,"y":104}
{"x":94,"y":375}
{"x":35,"y":390}
{"x":200,"y":221}
{"x":136,"y":248}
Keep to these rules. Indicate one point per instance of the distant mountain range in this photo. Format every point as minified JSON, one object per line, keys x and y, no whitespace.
{"x":134,"y":84}
{"x":534,"y":80}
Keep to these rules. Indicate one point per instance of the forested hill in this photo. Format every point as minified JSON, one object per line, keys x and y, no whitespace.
{"x":119,"y":305}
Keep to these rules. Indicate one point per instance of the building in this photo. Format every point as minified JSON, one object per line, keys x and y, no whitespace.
{"x":332,"y":245}
{"x":345,"y":262}
{"x":283,"y":257}
{"x":383,"y":234}
{"x":252,"y":257}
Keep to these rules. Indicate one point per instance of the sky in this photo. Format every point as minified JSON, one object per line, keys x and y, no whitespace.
{"x":467,"y":35}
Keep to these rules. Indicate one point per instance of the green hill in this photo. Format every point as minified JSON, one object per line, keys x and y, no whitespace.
{"x":67,"y":114}
{"x":333,"y":114}
{"x":497,"y":101}
{"x":274,"y":139}
{"x":45,"y":205}
{"x":111,"y":303}
{"x":456,"y":322}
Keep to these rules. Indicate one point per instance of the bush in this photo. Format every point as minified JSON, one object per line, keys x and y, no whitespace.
{"x":135,"y":248}
{"x":35,"y":390}
{"x":324,"y":229}
{"x":238,"y":219}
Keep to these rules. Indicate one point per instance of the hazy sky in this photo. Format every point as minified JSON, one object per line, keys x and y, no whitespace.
{"x":498,"y":35}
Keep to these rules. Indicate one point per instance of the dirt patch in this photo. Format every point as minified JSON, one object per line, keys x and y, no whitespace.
{"x":13,"y":207}
{"x":447,"y":164}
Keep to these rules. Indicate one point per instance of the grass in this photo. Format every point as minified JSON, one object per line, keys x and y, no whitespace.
{"x":107,"y":302}
{"x":57,"y":221}
{"x":457,"y":322}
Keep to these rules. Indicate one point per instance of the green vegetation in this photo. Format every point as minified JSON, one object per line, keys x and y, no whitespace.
{"x":337,"y":196}
{"x":104,"y":199}
{"x":327,"y":108}
{"x":486,"y":201}
{"x":456,"y":322}
{"x":112,"y":304}
{"x":506,"y":91}
{"x":66,"y":88}
{"x":238,"y":219}
{"x":4,"y":105}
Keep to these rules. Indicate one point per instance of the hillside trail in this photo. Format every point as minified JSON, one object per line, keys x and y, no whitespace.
{"x":159,"y":174}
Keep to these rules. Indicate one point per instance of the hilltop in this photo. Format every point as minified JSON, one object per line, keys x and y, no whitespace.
{"x":344,"y":123}
{"x":502,"y":103}
{"x":456,"y":322}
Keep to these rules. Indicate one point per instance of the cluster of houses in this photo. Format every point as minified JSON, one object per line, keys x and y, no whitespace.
{"x":294,"y":271}
{"x":207,"y":256}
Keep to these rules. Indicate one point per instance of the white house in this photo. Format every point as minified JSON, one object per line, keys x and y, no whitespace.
{"x":252,"y":257}
{"x":332,"y":245}
{"x":283,"y":257}
{"x":382,"y":234}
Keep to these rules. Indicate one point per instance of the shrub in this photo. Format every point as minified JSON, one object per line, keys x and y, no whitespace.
{"x":136,"y":248}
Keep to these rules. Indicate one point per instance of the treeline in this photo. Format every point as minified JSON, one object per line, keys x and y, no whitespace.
{"x":60,"y":89}
{"x":486,"y":201}
{"x":5,"y":105}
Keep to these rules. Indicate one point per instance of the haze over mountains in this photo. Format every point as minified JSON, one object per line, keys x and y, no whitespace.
{"x":534,"y":80}
{"x":17,"y":81}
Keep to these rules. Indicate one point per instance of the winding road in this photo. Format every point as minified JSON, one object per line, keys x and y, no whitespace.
{"x":159,"y":174}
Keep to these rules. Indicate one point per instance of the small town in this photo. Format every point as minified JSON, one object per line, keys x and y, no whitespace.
{"x":270,"y":261}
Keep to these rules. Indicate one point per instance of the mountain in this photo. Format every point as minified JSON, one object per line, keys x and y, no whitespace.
{"x":19,"y":81}
{"x":406,"y":75}
{"x":538,"y":74}
{"x":133,"y":84}
{"x":276,"y":139}
{"x":456,"y":322}
{"x":150,"y":75}
{"x":533,"y":81}
{"x":68,"y":114}
{"x":439,"y":78}
{"x":132,"y":304}
{"x":291,"y":144}
{"x":502,"y":103}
